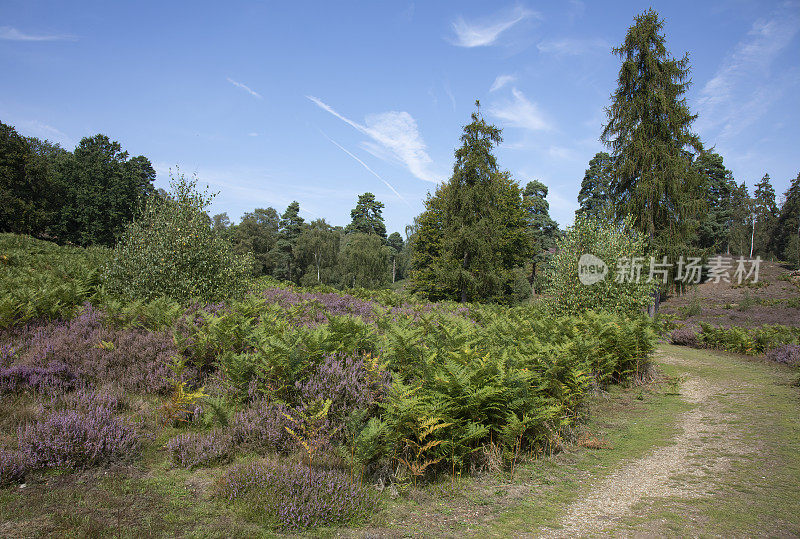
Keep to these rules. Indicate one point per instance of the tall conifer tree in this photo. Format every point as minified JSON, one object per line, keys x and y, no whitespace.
{"x":650,"y":137}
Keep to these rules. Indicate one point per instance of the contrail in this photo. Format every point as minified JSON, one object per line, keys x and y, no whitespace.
{"x":363,"y":164}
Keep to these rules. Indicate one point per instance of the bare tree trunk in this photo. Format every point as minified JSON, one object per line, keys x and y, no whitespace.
{"x":394,"y":267}
{"x":752,"y":237}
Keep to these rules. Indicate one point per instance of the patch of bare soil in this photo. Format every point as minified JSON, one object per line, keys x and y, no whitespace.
{"x":684,"y":469}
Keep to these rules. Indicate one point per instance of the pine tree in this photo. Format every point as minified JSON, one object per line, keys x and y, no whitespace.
{"x":740,"y":232}
{"x":650,"y":137}
{"x":473,"y":232}
{"x":766,"y":216}
{"x":594,"y":197}
{"x":291,"y":225}
{"x":787,"y":231}
{"x":367,"y":217}
{"x":542,"y":228}
{"x":713,"y":233}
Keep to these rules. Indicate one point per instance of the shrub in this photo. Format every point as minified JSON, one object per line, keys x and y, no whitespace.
{"x":294,"y":496}
{"x":262,"y":426}
{"x":77,"y":439}
{"x":12,"y":467}
{"x":200,"y":449}
{"x":684,"y":336}
{"x":171,"y":251}
{"x":788,"y":354}
{"x":610,"y":242}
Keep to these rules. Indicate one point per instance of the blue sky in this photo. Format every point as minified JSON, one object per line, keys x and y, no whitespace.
{"x":318,"y":102}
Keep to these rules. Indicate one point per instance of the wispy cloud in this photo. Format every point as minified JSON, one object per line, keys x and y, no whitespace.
{"x":41,"y":130}
{"x":449,"y":93}
{"x":743,"y":88}
{"x":363,"y":164}
{"x":485,"y":32}
{"x":245,"y":88}
{"x":573,"y":47}
{"x":501,"y":81}
{"x":398,"y":136}
{"x":12,"y":34}
{"x":252,"y":134}
{"x":520,"y":112}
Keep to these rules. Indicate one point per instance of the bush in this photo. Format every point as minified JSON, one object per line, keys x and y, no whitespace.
{"x":76,"y":439}
{"x":171,"y":251}
{"x":684,"y":336}
{"x":200,"y":449}
{"x":609,"y":242}
{"x":788,"y":354}
{"x":12,"y":467}
{"x":262,"y":426}
{"x":294,"y":496}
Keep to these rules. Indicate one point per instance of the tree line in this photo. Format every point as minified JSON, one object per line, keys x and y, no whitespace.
{"x":481,"y":236}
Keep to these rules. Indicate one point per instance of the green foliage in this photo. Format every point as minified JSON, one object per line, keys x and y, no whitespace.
{"x":649,"y":133}
{"x":171,"y":251}
{"x":748,"y":341}
{"x":610,"y":242}
{"x":717,"y":224}
{"x":474,"y":230}
{"x":543,"y":230}
{"x":787,"y":230}
{"x":367,"y":217}
{"x":39,"y":279}
{"x":595,"y":197}
{"x":102,"y":191}
{"x":364,"y":261}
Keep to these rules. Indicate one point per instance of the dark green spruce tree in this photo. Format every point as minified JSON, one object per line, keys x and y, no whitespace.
{"x":649,"y":132}
{"x":787,"y":230}
{"x":766,"y":217}
{"x":472,"y":239}
{"x":715,"y":226}
{"x":594,"y":197}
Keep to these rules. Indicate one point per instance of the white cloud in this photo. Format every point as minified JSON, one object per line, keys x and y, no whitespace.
{"x":245,"y":88}
{"x":396,"y":133}
{"x":41,"y":130}
{"x":573,"y":47}
{"x":520,"y":112}
{"x":501,"y":81}
{"x":363,"y":164}
{"x":743,"y":87}
{"x":12,"y":34}
{"x":253,"y":134}
{"x":486,"y":32}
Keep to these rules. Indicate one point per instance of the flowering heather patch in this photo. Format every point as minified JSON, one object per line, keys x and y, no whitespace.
{"x":684,"y":336}
{"x":200,"y":449}
{"x":788,"y":354}
{"x":135,"y":359}
{"x":12,"y":467}
{"x":330,"y":303}
{"x":349,"y":384}
{"x":295,"y":495}
{"x":88,"y":400}
{"x":53,"y":379}
{"x":262,"y":426}
{"x":77,"y":439}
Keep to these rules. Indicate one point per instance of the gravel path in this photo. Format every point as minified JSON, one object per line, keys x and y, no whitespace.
{"x":686,"y":468}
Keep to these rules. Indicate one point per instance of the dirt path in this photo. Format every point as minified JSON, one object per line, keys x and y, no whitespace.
{"x":687,"y":468}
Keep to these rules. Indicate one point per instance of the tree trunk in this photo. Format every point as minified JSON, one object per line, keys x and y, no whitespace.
{"x":394,"y":267}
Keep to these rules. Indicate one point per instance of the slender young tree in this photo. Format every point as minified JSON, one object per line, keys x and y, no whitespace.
{"x":649,"y":132}
{"x":766,"y":216}
{"x":291,"y":225}
{"x":542,"y":228}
